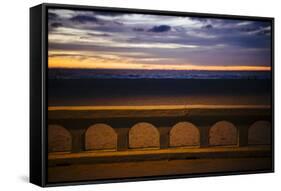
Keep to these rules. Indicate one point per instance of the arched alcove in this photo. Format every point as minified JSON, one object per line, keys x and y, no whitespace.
{"x":100,"y":137}
{"x":259,"y":133}
{"x":59,"y":139}
{"x":144,"y":135}
{"x":223,"y":133}
{"x":184,"y":134}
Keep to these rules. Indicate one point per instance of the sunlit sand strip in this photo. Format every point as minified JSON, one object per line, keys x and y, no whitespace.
{"x":156,"y":107}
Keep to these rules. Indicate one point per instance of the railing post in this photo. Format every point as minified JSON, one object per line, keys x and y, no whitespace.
{"x":242,"y":135}
{"x":122,"y":138}
{"x":204,"y":135}
{"x":164,"y":136}
{"x":78,"y":140}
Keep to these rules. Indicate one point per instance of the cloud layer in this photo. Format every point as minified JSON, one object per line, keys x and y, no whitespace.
{"x":103,"y":39}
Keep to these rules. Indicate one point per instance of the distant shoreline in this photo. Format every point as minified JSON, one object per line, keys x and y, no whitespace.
{"x":154,"y":107}
{"x":59,"y":73}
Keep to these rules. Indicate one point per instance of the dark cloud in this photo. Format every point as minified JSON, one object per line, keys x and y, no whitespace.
{"x":160,"y":28}
{"x":101,"y":35}
{"x":209,"y":26}
{"x":109,"y":13}
{"x":76,"y":46}
{"x":247,"y":41}
{"x":84,"y":19}
{"x":204,"y":20}
{"x":56,"y":25}
{"x":264,"y":32}
{"x":258,"y":28}
{"x":248,"y":29}
{"x":257,"y":25}
{"x":138,"y":29}
{"x":118,"y":23}
{"x":61,"y":55}
{"x":107,"y":27}
{"x":260,"y":24}
{"x":52,"y":16}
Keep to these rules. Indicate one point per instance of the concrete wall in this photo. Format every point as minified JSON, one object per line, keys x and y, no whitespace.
{"x":144,"y":135}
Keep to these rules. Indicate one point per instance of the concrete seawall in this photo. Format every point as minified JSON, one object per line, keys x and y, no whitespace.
{"x":227,"y":137}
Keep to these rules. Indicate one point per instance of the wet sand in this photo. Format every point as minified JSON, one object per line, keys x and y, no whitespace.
{"x":122,"y":92}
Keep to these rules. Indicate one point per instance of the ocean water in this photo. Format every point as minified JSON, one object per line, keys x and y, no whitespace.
{"x":153,"y":74}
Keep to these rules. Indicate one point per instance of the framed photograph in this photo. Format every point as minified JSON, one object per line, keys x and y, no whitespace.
{"x":126,"y":94}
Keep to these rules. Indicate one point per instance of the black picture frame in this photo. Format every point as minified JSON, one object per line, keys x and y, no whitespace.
{"x":39,"y":92}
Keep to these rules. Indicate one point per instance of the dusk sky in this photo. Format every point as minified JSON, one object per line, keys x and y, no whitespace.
{"x":92,"y":39}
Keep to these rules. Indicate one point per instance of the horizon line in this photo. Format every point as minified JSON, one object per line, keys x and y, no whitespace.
{"x":209,"y":68}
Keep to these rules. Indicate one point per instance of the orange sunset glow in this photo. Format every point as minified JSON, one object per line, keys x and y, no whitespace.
{"x":97,"y":64}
